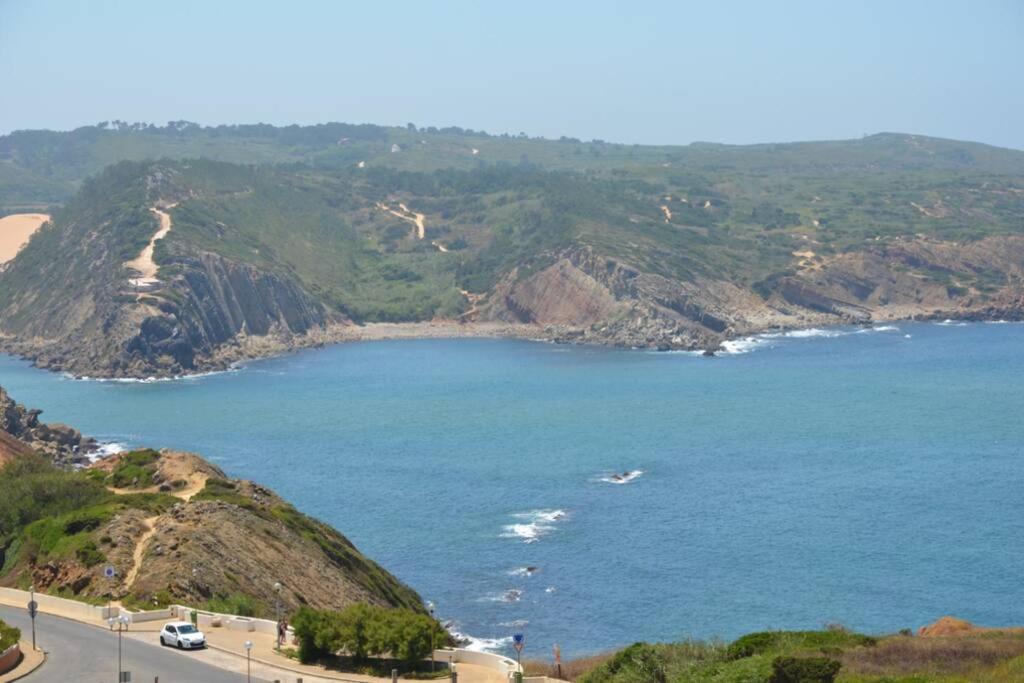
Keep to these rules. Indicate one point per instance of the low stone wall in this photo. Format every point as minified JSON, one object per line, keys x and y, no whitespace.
{"x":10,"y":658}
{"x":168,"y":614}
{"x":503,"y":665}
{"x":49,"y":603}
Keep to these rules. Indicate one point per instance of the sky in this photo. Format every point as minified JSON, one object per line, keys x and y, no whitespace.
{"x":665,"y":72}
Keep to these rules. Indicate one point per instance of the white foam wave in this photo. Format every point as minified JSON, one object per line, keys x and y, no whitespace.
{"x":152,"y":380}
{"x":511,"y":595}
{"x":523,"y":571}
{"x":537,"y":523}
{"x":767,"y":339}
{"x":518,"y":623}
{"x":474,"y":644}
{"x":109,"y":448}
{"x":744,"y":345}
{"x":623,"y":478}
{"x":952,"y":323}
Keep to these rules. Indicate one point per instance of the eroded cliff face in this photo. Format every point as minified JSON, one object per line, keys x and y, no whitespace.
{"x":210,"y":303}
{"x":21,"y":432}
{"x":586,"y":297}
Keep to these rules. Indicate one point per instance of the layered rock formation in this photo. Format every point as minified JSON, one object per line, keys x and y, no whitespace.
{"x":22,"y":432}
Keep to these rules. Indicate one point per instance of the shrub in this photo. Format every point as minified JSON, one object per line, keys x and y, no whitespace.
{"x":639,"y":661}
{"x":8,"y":636}
{"x":804,"y":670}
{"x":363,"y":631}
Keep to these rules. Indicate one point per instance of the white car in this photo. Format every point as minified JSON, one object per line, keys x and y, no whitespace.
{"x":182,"y":635}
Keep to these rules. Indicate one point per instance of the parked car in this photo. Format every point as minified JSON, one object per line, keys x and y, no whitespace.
{"x":182,"y":635}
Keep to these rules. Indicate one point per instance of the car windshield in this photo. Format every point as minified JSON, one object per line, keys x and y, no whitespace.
{"x":186,"y":629}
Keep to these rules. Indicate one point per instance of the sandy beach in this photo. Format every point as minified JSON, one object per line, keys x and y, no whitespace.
{"x":15,"y":231}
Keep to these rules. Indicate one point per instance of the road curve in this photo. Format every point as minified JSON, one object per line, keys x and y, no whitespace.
{"x":87,"y":654}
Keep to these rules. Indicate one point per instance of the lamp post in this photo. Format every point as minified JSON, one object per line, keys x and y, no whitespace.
{"x":430,"y":606}
{"x":277,"y":611}
{"x":248,"y":661}
{"x":122,"y":624}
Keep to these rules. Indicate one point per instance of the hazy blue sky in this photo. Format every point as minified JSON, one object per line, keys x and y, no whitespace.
{"x":667,"y":72}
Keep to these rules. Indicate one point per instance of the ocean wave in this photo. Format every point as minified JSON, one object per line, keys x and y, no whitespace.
{"x":105,"y":449}
{"x":768,"y":339}
{"x":744,"y":345}
{"x":518,"y":623}
{"x":474,"y":644}
{"x":623,"y":478}
{"x":949,"y":322}
{"x":537,"y":523}
{"x":523,"y":571}
{"x":511,"y":595}
{"x":151,"y":380}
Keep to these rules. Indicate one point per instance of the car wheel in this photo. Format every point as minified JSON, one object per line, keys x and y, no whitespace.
{"x":179,"y":645}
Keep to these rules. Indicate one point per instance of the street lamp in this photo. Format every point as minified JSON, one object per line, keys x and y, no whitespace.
{"x":277,"y":611}
{"x":248,"y":661}
{"x":430,"y":606}
{"x":122,"y":625}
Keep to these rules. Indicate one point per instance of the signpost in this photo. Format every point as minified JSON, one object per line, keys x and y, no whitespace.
{"x":33,"y":609}
{"x":518,"y":641}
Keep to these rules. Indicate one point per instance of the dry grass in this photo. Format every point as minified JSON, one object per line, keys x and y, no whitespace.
{"x":571,"y":669}
{"x":938,"y":655}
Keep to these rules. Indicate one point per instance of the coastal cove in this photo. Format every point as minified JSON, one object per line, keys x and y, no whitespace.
{"x":592,"y":496}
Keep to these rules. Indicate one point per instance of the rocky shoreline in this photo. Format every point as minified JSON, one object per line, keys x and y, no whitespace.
{"x":640,"y":337}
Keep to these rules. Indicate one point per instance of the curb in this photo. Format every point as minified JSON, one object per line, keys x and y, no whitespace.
{"x":264,"y":662}
{"x":18,"y":675}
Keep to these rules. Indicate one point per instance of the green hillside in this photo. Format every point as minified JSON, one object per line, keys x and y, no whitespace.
{"x":282,"y":231}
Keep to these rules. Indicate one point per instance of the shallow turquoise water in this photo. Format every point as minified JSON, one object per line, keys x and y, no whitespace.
{"x":868,"y":478}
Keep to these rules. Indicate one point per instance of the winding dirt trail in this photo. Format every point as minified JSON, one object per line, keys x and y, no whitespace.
{"x":143,"y":263}
{"x":140,"y":550}
{"x":417,"y":219}
{"x":16,"y":230}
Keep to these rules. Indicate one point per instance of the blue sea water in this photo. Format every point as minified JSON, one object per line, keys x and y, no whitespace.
{"x":869,"y":477}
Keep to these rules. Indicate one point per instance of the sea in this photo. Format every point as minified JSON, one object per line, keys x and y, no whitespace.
{"x":592,"y":497}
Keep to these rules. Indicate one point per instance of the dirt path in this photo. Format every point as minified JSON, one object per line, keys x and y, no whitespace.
{"x":16,"y":230}
{"x":417,"y":219}
{"x":143,"y":263}
{"x":196,"y":483}
{"x":140,"y":550}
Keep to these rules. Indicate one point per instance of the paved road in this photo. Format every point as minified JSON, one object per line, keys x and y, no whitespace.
{"x":87,"y":654}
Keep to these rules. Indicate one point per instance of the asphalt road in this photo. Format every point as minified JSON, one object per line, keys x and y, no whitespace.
{"x":79,"y":653}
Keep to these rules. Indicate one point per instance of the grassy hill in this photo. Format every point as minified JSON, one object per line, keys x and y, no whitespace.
{"x":177,"y":530}
{"x":283,"y":231}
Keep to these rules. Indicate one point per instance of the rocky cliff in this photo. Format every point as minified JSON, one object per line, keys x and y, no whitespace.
{"x":586,"y":298}
{"x":22,"y":432}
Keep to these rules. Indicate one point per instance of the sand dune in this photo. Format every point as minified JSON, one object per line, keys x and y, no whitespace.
{"x":15,"y":231}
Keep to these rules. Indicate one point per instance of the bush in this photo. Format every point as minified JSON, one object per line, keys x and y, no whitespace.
{"x":363,"y":631}
{"x":639,"y":661}
{"x":804,"y":670}
{"x":8,"y":636}
{"x":776,"y":641}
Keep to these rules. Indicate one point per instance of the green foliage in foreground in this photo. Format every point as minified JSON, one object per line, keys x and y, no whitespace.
{"x":8,"y":636}
{"x":135,"y":469}
{"x":813,"y":657}
{"x":365,"y":631}
{"x":49,"y":513}
{"x":769,"y":657}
